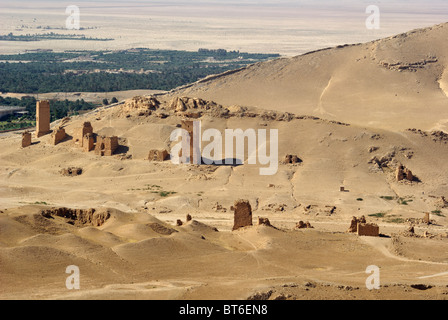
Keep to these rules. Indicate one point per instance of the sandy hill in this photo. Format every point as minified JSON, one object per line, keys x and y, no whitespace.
{"x":394,"y":83}
{"x":116,"y":218}
{"x":137,"y":250}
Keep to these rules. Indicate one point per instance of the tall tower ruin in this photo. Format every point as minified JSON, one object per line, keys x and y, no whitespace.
{"x":42,"y":118}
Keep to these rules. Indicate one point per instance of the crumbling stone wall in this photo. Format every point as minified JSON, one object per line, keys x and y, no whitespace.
{"x":158,"y":155}
{"x":26,"y":139}
{"x":42,"y":118}
{"x":368,"y":229}
{"x":242,"y":214}
{"x":362,"y":228}
{"x":354,"y":224}
{"x":106,"y":146}
{"x":58,"y":135}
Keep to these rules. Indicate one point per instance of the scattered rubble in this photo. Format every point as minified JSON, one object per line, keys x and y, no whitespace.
{"x":304,"y":225}
{"x":71,"y":172}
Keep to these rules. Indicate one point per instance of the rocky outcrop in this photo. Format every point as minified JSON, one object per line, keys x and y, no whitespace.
{"x":184,"y":103}
{"x":409,"y":66}
{"x":141,"y":104}
{"x":442,"y":203}
{"x":79,"y":217}
{"x":436,"y":136}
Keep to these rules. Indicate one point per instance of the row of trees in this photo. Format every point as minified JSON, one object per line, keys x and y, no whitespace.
{"x":59,"y":108}
{"x":92,"y":71}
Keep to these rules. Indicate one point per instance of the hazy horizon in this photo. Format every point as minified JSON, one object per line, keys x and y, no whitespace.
{"x":286,"y":27}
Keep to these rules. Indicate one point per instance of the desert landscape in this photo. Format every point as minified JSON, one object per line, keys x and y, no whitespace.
{"x":361,"y":181}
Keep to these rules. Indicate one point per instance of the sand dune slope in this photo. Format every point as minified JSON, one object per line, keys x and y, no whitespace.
{"x":391,"y":83}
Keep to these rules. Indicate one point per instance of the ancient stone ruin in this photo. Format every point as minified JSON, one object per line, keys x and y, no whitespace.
{"x":195,"y":152}
{"x":368,"y":229}
{"x":26,"y":139}
{"x":79,"y":217}
{"x":264,"y":222}
{"x":291,"y":159}
{"x":158,"y":155}
{"x":88,"y":142}
{"x":426,"y":218}
{"x":242,"y":214}
{"x":71,"y":172}
{"x":403,"y":173}
{"x":85,"y":129}
{"x":106,"y":146}
{"x":42,"y":118}
{"x":304,"y":225}
{"x":362,"y":228}
{"x":354,"y":224}
{"x":58,"y":135}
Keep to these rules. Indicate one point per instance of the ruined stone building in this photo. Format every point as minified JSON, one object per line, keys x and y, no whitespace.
{"x":362,"y":228}
{"x":85,"y":129}
{"x":403,"y":173}
{"x":42,"y":118}
{"x":158,"y":155}
{"x":106,"y":146}
{"x":58,"y":135}
{"x":368,"y":229}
